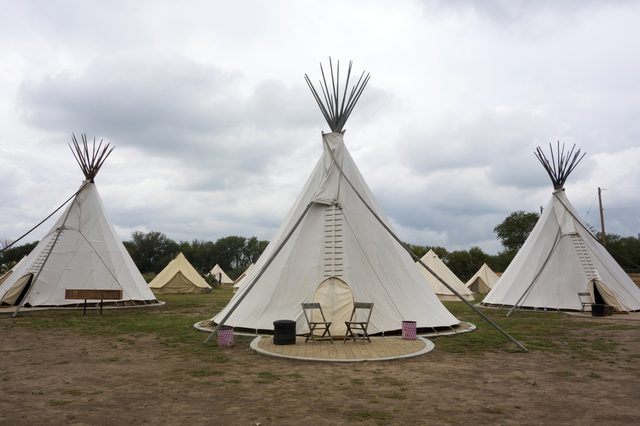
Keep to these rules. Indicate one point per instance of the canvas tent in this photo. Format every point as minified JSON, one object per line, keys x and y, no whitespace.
{"x":331,"y":249}
{"x":81,"y":251}
{"x":219,"y":275}
{"x":179,"y":277}
{"x":7,"y":274}
{"x":238,"y":282}
{"x":483,"y":280}
{"x":562,"y":258}
{"x":432,"y":260}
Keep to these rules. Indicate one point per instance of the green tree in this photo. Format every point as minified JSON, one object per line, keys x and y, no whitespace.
{"x":151,"y":251}
{"x":9,"y":257}
{"x":514,"y":230}
{"x":625,"y":250}
{"x":465,"y":263}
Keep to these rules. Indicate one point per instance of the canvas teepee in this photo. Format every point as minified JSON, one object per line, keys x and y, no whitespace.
{"x":7,"y":274}
{"x":432,"y":260}
{"x":219,"y":275}
{"x":238,"y":282}
{"x":332,"y":249}
{"x":81,"y":251}
{"x":179,"y":277}
{"x":483,"y":280}
{"x":561,"y":257}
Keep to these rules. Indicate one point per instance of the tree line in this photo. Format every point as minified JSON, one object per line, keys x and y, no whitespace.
{"x":152,"y":251}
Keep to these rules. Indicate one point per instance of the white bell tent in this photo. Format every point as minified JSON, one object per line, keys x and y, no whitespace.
{"x":332,"y":249}
{"x":238,"y":282}
{"x":562,"y":258}
{"x":179,"y":277}
{"x":219,"y":275}
{"x":81,"y":251}
{"x":482,"y":281}
{"x":434,"y":262}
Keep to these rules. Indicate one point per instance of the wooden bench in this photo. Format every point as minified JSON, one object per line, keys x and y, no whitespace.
{"x":92,"y":294}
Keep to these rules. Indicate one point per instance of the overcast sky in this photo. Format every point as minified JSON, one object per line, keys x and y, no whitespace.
{"x":216,"y":131}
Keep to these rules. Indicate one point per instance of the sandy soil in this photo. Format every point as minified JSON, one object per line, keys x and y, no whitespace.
{"x":63,"y":378}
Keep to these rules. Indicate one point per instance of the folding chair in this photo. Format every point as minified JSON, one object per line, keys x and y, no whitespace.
{"x":585,"y":299}
{"x":308,"y":309}
{"x":358,"y":329}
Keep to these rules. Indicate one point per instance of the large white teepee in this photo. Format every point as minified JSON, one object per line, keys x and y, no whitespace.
{"x":81,"y":251}
{"x":219,"y":275}
{"x":179,"y":277}
{"x":331,"y":248}
{"x":483,"y":280}
{"x":561,"y":258}
{"x":434,"y":262}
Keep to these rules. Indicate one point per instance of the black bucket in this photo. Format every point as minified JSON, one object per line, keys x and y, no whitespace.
{"x":284,"y":332}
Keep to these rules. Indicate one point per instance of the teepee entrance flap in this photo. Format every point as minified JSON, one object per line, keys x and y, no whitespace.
{"x":336,"y":298}
{"x":14,"y":295}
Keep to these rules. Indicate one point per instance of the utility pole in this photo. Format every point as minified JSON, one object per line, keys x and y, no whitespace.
{"x":603,"y":237}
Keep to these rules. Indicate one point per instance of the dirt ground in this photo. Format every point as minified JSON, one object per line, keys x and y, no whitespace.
{"x":62,"y":378}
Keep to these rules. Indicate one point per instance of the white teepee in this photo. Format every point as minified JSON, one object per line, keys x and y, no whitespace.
{"x":329,"y":233}
{"x":432,"y":260}
{"x":483,"y":280}
{"x":7,"y":274}
{"x":219,"y":275}
{"x":179,"y":277}
{"x":81,"y":251}
{"x":562,"y":258}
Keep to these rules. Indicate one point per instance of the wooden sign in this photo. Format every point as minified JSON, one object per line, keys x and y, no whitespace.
{"x":93,"y":294}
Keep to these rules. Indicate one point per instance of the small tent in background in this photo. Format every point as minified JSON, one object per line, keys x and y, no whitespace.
{"x":483,"y":280}
{"x":561,"y":257}
{"x":81,"y":251}
{"x":7,"y":274}
{"x":331,"y":248}
{"x":220,"y":276}
{"x":238,"y":282}
{"x":179,"y":277}
{"x":432,"y":260}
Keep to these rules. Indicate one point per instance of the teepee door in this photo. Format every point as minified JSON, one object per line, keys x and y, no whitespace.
{"x":14,"y":295}
{"x":605,"y":293}
{"x":336,"y":299}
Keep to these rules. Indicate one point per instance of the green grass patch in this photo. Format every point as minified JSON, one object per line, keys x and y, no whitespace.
{"x":72,"y":392}
{"x":205,"y":373}
{"x":265,"y":377}
{"x":549,"y":331}
{"x":58,"y":402}
{"x":365,"y":415}
{"x":171,"y":323}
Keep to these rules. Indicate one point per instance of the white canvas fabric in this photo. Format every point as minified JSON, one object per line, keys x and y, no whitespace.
{"x":87,"y":255}
{"x":178,"y":277}
{"x":7,"y":274}
{"x":432,"y":260}
{"x":483,"y":280}
{"x":558,"y":260}
{"x":338,"y":236}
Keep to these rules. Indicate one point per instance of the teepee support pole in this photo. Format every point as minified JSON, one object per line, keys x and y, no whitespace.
{"x":395,"y":237}
{"x":535,"y":279}
{"x":44,"y":262}
{"x":255,"y":279}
